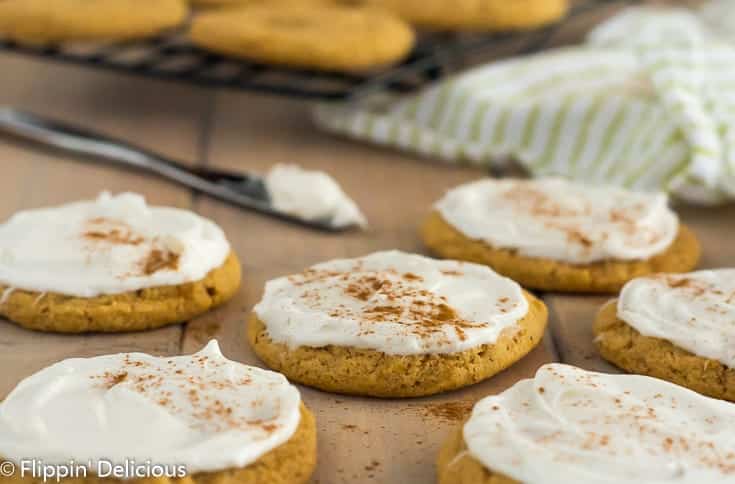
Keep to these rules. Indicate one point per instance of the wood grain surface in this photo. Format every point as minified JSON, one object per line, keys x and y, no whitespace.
{"x":360,"y":440}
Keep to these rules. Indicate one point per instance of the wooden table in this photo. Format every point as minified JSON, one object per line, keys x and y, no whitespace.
{"x":360,"y":440}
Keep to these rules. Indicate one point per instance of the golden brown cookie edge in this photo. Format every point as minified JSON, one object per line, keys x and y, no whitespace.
{"x":131,"y":311}
{"x":446,"y":241}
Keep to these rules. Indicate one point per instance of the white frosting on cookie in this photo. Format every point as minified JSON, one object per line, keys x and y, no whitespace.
{"x":568,"y":425}
{"x":392,"y":302}
{"x":111,"y":245}
{"x":311,"y":195}
{"x":202,"y":411}
{"x":694,"y":311}
{"x":556,"y":219}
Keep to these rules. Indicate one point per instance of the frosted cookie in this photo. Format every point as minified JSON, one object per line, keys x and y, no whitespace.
{"x":112,"y":264}
{"x":568,"y":425}
{"x":556,"y":235}
{"x":476,"y":15}
{"x":199,"y":418}
{"x":678,"y":327}
{"x":393,"y":324}
{"x":51,"y":21}
{"x":327,"y":37}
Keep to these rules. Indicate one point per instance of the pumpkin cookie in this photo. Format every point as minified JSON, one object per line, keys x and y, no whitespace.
{"x":570,"y":425}
{"x":52,"y":21}
{"x":327,"y":37}
{"x":113,"y":264}
{"x":186,"y":419}
{"x":677,"y":327}
{"x":478,"y":15}
{"x":393,"y":324}
{"x":554,"y":235}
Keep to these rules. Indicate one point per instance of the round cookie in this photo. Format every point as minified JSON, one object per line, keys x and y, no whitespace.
{"x":327,"y":37}
{"x":686,"y":321}
{"x":378,"y":357}
{"x":110,"y":265}
{"x":575,"y":259}
{"x":571,"y":425}
{"x":477,"y":15}
{"x":52,"y":21}
{"x":250,"y":422}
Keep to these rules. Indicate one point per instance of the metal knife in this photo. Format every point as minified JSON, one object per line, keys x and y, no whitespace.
{"x":241,"y":189}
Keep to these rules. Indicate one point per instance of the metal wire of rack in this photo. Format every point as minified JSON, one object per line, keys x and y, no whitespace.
{"x":172,"y":57}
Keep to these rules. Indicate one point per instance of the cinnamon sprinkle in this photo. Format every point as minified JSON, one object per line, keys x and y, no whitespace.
{"x":194,"y":392}
{"x":115,"y":232}
{"x":158,"y":260}
{"x":697,"y":288}
{"x":538,"y":203}
{"x":555,"y":215}
{"x":389,"y":296}
{"x":111,"y":231}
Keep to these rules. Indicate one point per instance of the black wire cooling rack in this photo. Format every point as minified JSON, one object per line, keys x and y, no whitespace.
{"x":172,"y":57}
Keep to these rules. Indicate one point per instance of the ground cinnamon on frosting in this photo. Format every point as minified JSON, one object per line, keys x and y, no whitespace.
{"x":534,"y":201}
{"x":154,"y":382}
{"x":158,"y":260}
{"x":111,"y":231}
{"x":561,"y":220}
{"x":393,"y":302}
{"x":390,"y":296}
{"x":115,"y":232}
{"x":200,"y":411}
{"x":598,"y":428}
{"x":556,"y":215}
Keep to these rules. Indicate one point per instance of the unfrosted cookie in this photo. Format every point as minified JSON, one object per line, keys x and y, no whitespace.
{"x":113,"y":264}
{"x":393,"y":324}
{"x":554,"y":235}
{"x":568,"y":425}
{"x":200,"y":418}
{"x":51,"y":21}
{"x":678,"y":327}
{"x":329,"y":37}
{"x":479,"y":15}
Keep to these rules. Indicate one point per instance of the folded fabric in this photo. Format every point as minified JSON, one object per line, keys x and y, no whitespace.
{"x":647,"y":103}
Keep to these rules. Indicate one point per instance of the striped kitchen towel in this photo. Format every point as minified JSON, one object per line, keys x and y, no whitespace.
{"x":622,"y":109}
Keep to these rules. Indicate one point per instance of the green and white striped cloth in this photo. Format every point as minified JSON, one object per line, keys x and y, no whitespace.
{"x":626,"y":108}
